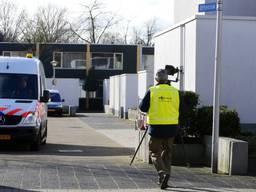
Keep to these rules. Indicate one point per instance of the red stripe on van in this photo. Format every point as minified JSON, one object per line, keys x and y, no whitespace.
{"x":26,"y":114}
{"x":2,"y":108}
{"x":12,"y":112}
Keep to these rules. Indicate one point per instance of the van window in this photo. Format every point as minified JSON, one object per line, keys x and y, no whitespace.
{"x":18,"y":86}
{"x":55,"y":97}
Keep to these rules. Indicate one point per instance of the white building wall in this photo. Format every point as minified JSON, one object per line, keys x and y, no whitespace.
{"x":106,"y":84}
{"x":131,"y":92}
{"x":190,"y":56}
{"x":69,"y":90}
{"x":123,"y":88}
{"x":111,"y":93}
{"x":145,"y":80}
{"x":238,"y":60}
{"x":128,"y":93}
{"x":123,"y":91}
{"x":238,"y":64}
{"x":167,"y":50}
{"x":117,"y":91}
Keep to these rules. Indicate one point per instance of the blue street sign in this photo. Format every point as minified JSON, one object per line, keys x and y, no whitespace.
{"x":208,"y":7}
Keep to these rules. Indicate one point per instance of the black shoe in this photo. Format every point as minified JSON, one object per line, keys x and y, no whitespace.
{"x":164,"y":183}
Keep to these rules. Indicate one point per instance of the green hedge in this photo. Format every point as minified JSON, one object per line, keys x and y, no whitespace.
{"x":188,"y":108}
{"x":229,"y":121}
{"x":197,"y":122}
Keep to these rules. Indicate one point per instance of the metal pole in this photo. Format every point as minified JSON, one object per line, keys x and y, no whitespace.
{"x":53,"y":72}
{"x":53,"y":79}
{"x":216,"y":97}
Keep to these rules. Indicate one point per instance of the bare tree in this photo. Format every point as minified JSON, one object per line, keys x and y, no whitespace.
{"x":117,"y":35}
{"x":112,"y":38}
{"x":11,"y":21}
{"x":145,"y":34}
{"x":151,"y":29}
{"x":94,"y":22}
{"x":137,"y":36}
{"x":49,"y":24}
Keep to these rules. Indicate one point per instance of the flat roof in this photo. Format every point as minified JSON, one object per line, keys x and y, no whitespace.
{"x":206,"y":17}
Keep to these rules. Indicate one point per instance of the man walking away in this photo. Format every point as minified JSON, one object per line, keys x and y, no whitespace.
{"x":161,"y":103}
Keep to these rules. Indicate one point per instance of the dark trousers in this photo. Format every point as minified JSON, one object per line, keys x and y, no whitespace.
{"x":161,"y":154}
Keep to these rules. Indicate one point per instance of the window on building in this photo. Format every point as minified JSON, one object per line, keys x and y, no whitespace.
{"x":107,"y":61}
{"x":7,"y":53}
{"x":70,"y":60}
{"x":74,"y":60}
{"x":118,"y":62}
{"x":147,"y":63}
{"x":15,"y":53}
{"x":58,"y":57}
{"x":19,"y":53}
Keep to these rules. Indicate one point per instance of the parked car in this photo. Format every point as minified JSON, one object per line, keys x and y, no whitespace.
{"x":55,"y":103}
{"x":23,"y":98}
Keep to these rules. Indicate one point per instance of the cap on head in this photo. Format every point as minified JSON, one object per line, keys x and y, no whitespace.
{"x":161,"y":76}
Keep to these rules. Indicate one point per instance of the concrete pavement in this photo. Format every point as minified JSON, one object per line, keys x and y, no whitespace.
{"x":82,"y":155}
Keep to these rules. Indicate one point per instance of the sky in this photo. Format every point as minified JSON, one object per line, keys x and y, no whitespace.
{"x":136,"y":11}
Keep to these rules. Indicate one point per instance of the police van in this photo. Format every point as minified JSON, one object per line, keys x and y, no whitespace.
{"x":23,"y":98}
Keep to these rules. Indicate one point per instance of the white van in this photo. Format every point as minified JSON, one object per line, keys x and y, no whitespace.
{"x":23,"y":98}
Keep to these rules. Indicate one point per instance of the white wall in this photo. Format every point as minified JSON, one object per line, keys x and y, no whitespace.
{"x":123,"y":88}
{"x":177,"y":47}
{"x":190,"y":56}
{"x":123,"y":91}
{"x":145,"y":80}
{"x":239,"y":7}
{"x":130,"y":92}
{"x":238,"y":64}
{"x":69,"y":90}
{"x":238,"y":60}
{"x":117,"y":92}
{"x":167,"y":50}
{"x":106,"y":88}
{"x":111,"y":93}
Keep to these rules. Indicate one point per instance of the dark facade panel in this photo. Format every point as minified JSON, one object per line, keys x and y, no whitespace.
{"x":70,"y":73}
{"x":148,"y":50}
{"x":17,"y":47}
{"x":103,"y":74}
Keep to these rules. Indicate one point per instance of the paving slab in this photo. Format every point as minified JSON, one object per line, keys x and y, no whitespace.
{"x":79,"y":157}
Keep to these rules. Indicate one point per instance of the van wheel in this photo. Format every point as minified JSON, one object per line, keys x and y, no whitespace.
{"x":60,"y":114}
{"x":35,"y":146}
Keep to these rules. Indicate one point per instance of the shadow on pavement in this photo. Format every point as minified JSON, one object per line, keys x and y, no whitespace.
{"x":194,"y":189}
{"x":12,"y":189}
{"x":66,"y":116}
{"x":67,"y":150}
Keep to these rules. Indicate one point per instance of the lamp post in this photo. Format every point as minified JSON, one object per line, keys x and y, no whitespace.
{"x":54,"y":64}
{"x":216,"y":96}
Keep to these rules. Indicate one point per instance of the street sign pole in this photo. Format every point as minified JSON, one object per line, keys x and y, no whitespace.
{"x":216,"y":97}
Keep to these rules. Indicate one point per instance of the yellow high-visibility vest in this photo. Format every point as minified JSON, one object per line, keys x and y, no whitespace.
{"x":164,"y":105}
